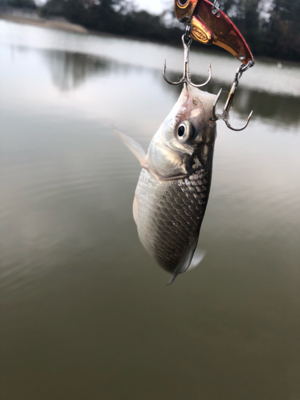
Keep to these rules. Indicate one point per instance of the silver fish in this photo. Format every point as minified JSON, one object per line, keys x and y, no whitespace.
{"x":173,"y":187}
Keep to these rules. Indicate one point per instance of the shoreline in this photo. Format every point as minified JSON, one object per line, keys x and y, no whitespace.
{"x":61,"y":24}
{"x":44,"y":23}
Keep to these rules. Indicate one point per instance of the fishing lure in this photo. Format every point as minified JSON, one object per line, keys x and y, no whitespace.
{"x":173,"y":188}
{"x":207,"y":24}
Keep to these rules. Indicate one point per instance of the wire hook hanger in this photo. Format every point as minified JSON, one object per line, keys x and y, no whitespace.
{"x":225,"y":114}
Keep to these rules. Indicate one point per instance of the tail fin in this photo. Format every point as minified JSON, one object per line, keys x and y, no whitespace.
{"x":198,"y":256}
{"x":173,"y":278}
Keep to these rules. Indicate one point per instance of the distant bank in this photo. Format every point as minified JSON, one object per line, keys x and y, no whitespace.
{"x":32,"y":19}
{"x":29,"y":17}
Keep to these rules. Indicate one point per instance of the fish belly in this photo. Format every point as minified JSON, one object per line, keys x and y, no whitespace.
{"x":169,"y":214}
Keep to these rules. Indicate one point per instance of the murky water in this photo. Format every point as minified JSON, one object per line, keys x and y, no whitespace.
{"x":85,"y":312}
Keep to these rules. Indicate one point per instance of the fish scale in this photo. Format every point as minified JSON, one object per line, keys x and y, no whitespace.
{"x":171,"y":213}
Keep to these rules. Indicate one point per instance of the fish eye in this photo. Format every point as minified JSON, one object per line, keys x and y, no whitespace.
{"x":185,"y":132}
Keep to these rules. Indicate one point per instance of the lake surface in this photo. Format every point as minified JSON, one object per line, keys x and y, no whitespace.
{"x":85,"y":312}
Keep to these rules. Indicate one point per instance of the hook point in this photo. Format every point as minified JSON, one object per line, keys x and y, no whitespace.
{"x":214,"y":115}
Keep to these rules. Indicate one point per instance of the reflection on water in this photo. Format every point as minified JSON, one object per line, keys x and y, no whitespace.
{"x":278,"y":109}
{"x":85,"y":313}
{"x":265,"y":76}
{"x":69,"y":70}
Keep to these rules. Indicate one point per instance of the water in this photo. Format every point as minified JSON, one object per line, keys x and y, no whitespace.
{"x":85,"y":313}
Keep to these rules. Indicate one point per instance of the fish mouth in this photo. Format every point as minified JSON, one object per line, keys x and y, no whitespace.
{"x":195,"y":106}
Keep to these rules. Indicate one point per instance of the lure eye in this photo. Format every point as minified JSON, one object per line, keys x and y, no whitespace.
{"x":183,"y":3}
{"x":185,"y":132}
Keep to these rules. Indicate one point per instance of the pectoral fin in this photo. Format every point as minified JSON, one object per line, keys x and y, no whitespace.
{"x":134,"y":147}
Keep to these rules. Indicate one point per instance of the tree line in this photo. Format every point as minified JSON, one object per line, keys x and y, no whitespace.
{"x":271,"y":27}
{"x":114,"y":16}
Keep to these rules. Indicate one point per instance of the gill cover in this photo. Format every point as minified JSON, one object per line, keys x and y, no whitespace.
{"x":209,"y":25}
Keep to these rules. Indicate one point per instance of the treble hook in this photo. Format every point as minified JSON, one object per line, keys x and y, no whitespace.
{"x":187,"y":41}
{"x":225,"y":114}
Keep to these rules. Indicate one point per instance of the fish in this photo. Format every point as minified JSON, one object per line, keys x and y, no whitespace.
{"x":173,"y":187}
